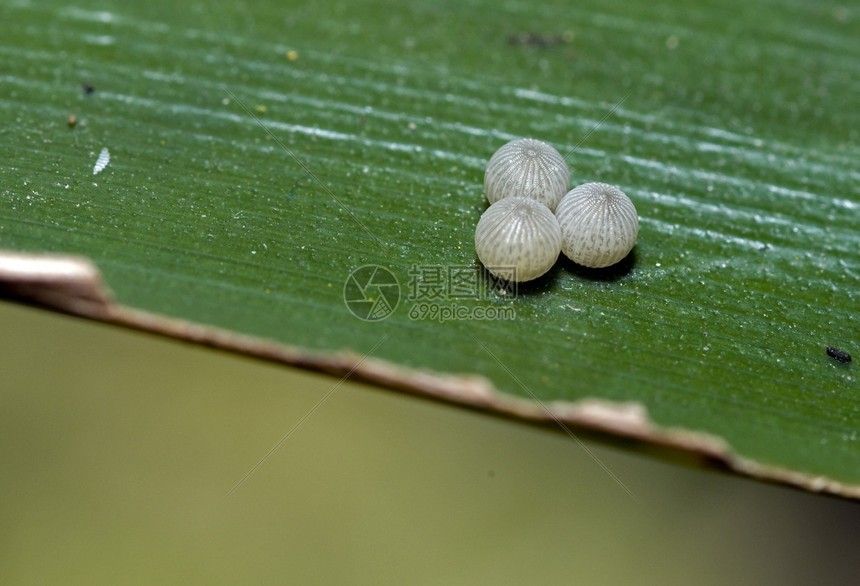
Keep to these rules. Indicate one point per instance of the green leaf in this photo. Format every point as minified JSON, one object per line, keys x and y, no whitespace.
{"x":738,"y":144}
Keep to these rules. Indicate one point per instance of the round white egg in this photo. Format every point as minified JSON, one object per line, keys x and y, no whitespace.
{"x":518,"y":239}
{"x":599,"y":224}
{"x":530,"y":168}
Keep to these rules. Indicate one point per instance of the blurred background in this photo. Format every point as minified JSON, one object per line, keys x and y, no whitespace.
{"x":118,"y":450}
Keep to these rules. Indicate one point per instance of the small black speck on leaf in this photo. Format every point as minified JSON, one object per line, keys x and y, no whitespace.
{"x":88,"y":88}
{"x":838,"y":355}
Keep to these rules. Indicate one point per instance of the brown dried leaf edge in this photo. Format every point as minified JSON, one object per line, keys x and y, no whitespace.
{"x":74,"y":285}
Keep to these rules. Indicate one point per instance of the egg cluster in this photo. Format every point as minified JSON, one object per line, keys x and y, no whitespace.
{"x":533,"y":216}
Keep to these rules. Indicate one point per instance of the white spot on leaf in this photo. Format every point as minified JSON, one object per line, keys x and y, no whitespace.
{"x":102,"y":162}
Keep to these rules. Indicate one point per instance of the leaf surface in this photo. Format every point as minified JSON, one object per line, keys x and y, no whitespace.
{"x":260,"y":153}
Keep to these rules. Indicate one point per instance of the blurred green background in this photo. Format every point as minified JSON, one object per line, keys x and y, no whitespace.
{"x":117,"y":451}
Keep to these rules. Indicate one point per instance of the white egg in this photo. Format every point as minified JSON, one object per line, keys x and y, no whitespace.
{"x":102,"y":161}
{"x":518,"y":239}
{"x":527,"y":168}
{"x":599,"y":224}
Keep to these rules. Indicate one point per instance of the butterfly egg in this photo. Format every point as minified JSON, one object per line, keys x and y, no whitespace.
{"x":518,"y":239}
{"x":527,"y":168}
{"x":598,"y":223}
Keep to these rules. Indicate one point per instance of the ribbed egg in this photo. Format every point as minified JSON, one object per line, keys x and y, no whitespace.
{"x":599,"y":224}
{"x":530,"y":168}
{"x":518,"y":239}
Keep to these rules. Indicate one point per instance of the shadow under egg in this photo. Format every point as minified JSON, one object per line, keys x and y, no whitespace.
{"x":609,"y":274}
